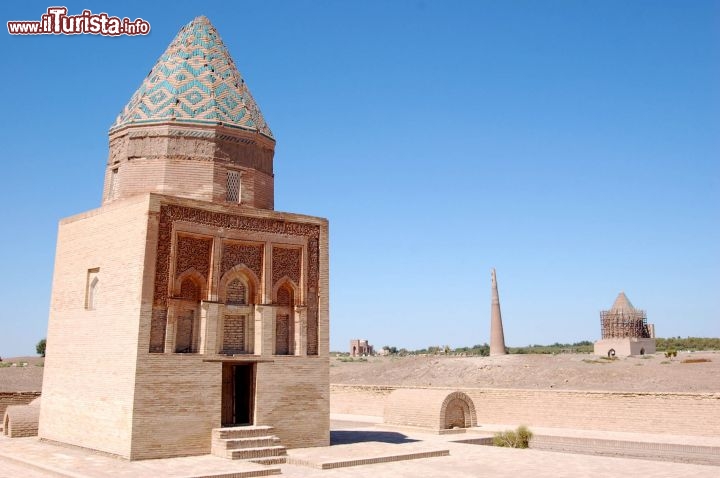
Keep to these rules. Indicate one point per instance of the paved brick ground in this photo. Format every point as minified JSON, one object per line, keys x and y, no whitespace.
{"x":45,"y":459}
{"x":472,"y":461}
{"x":464,"y":461}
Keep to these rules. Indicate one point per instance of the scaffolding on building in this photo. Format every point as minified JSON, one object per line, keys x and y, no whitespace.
{"x":617,"y":324}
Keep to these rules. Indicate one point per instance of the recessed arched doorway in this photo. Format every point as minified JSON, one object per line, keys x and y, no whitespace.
{"x":458,"y":411}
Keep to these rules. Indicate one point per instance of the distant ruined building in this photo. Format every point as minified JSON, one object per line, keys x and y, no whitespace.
{"x":625,"y":330}
{"x":360,"y":347}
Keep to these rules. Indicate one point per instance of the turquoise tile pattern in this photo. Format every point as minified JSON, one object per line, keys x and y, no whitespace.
{"x":195,"y":81}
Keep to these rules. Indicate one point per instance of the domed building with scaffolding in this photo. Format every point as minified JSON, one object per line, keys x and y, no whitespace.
{"x":625,"y":330}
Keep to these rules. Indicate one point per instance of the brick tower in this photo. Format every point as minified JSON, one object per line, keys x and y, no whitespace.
{"x":186,"y":307}
{"x":497,"y":337}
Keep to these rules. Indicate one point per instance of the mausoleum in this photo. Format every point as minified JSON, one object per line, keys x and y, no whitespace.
{"x":625,"y":330}
{"x":186,"y":307}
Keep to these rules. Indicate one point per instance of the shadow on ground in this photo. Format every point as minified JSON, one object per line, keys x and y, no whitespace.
{"x":345,"y":437}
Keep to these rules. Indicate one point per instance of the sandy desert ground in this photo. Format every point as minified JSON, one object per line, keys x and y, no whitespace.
{"x":18,"y":378}
{"x":652,"y":373}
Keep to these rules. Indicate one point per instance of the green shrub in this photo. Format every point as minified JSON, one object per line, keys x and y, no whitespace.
{"x":688,"y":343}
{"x":40,"y":347}
{"x":519,"y":438}
{"x":351,"y":359}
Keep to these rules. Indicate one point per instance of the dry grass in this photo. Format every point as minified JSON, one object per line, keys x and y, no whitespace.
{"x":519,"y":438}
{"x":696,"y":360}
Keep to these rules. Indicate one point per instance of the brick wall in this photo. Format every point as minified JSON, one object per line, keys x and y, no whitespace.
{"x":415,"y":407}
{"x":189,"y":161}
{"x":293,"y":396}
{"x":651,"y":412}
{"x":21,"y":420}
{"x":177,"y":404}
{"x":425,"y":407}
{"x":359,"y":399}
{"x":664,"y":413}
{"x":282,"y":334}
{"x":89,"y":375}
{"x":234,"y":334}
{"x":104,"y":390}
{"x":16,"y":398}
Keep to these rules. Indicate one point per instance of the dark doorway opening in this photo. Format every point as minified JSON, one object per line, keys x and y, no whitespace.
{"x":238,"y":392}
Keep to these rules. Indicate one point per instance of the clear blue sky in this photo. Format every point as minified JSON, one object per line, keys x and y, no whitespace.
{"x":573,"y":145}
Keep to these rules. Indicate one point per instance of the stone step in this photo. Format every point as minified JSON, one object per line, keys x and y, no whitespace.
{"x":241,"y":432}
{"x":253,"y":453}
{"x":251,"y":442}
{"x":272,"y":460}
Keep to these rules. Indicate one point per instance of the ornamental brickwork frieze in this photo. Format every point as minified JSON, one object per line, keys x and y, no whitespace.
{"x":170,"y":213}
{"x":193,"y":252}
{"x":286,"y":262}
{"x":249,"y":255}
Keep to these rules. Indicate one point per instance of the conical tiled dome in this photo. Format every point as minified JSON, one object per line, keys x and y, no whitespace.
{"x":194,"y":81}
{"x":622,"y":304}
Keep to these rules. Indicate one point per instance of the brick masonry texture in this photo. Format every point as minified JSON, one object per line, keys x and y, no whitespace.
{"x":105,"y":390}
{"x":22,"y":420}
{"x":234,"y":334}
{"x":652,"y":412}
{"x":91,"y":356}
{"x":189,"y":161}
{"x":160,"y":353}
{"x":428,"y":408}
{"x":16,"y":398}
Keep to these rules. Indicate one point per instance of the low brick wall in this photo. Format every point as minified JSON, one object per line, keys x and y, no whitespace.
{"x":428,"y":408}
{"x":15,"y":398}
{"x":21,"y":420}
{"x":652,"y":412}
{"x":359,"y":399}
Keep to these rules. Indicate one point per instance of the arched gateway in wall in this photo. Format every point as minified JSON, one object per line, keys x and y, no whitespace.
{"x":435,"y":409}
{"x":458,"y":411}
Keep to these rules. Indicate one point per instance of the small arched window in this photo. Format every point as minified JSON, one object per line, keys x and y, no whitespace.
{"x":91,"y":289}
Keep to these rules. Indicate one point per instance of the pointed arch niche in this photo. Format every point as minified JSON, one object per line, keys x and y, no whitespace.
{"x":189,"y":289}
{"x":238,"y":290}
{"x":288,"y":328}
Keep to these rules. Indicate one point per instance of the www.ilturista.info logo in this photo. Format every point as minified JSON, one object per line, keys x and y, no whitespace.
{"x":57,"y":22}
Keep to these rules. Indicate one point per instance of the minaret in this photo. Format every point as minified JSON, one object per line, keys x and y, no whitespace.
{"x":497,"y":338}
